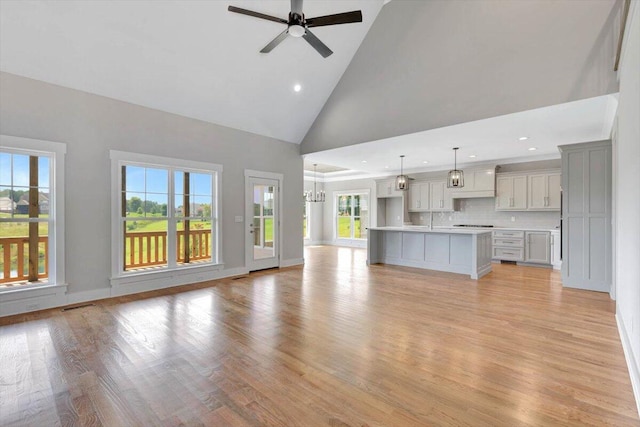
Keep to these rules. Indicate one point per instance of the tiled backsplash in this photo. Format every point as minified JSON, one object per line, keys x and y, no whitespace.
{"x":482,"y":211}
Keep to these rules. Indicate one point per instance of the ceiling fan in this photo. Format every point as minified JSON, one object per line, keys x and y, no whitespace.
{"x":298,"y":25}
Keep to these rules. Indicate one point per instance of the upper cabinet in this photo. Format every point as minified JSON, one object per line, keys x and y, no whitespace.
{"x":511,"y":193}
{"x":425,"y":196}
{"x":477,"y":183}
{"x":440,"y":196}
{"x":387,"y":188}
{"x":544,"y":191}
{"x":537,"y":191}
{"x":419,"y":196}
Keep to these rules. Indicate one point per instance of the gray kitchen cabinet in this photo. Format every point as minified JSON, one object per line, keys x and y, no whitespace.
{"x":537,"y":247}
{"x":508,"y":245}
{"x":511,"y":192}
{"x":586,"y":215}
{"x":419,"y":197}
{"x":387,"y":188}
{"x":544,"y":191}
{"x":556,"y":262}
{"x":440,"y":197}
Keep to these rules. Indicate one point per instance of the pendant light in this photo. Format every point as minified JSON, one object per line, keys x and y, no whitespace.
{"x":402,"y":181}
{"x":315,"y":196}
{"x":456,"y":177}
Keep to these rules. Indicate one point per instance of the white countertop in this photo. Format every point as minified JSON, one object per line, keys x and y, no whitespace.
{"x":426,"y":229}
{"x":446,"y":227}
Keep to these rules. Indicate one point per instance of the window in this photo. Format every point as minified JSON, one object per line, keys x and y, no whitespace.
{"x":28,"y":216}
{"x":263,"y":218}
{"x":352,"y":215}
{"x":167,"y":213}
{"x":306,"y":232}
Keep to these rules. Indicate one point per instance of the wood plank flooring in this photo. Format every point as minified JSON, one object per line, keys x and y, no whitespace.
{"x":332,"y":343}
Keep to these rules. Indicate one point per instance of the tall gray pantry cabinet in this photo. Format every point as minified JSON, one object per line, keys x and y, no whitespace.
{"x":586,"y":215}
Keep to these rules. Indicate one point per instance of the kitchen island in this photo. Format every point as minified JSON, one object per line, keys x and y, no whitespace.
{"x":451,"y":250}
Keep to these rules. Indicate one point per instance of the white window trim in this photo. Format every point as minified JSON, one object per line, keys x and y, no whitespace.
{"x":119,"y":277}
{"x":334,"y":213}
{"x":56,"y":152}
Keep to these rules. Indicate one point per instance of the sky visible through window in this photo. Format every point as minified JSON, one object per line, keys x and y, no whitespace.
{"x":14,"y":171}
{"x":152,"y":184}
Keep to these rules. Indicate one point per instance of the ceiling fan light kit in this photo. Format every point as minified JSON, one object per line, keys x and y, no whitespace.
{"x":298,"y":25}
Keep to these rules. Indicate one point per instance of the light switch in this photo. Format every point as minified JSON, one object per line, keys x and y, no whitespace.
{"x":239,"y":219}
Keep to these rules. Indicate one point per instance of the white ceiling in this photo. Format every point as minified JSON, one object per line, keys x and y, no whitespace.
{"x":192,"y":58}
{"x":495,"y":140}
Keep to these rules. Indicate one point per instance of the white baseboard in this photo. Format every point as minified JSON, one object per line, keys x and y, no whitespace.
{"x":291,"y":262}
{"x":634,"y":370}
{"x":46,"y":297}
{"x":346,"y":243}
{"x":32,"y":299}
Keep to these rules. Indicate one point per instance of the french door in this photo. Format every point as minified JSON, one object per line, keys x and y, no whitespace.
{"x":262,"y":223}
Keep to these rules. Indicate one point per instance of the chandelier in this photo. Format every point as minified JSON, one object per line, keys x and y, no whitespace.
{"x":314,"y":196}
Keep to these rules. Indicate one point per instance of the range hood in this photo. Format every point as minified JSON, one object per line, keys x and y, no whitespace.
{"x":477,"y":183}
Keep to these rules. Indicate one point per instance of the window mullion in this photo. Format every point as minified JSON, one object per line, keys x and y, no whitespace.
{"x":172,"y":228}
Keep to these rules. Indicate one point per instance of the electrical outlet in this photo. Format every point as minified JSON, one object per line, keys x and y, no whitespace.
{"x":513,"y":219}
{"x":450,"y":217}
{"x":398,"y":218}
{"x":421,"y":217}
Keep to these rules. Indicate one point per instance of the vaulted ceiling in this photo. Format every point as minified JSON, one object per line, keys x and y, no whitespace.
{"x":192,"y":58}
{"x":415,"y":77}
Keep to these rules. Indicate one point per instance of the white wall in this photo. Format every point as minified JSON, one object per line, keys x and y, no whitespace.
{"x":92,"y":125}
{"x":627,"y":198}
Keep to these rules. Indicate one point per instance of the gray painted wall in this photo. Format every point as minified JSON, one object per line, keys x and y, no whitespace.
{"x":429,"y":64}
{"x":627,"y":198}
{"x":92,"y":125}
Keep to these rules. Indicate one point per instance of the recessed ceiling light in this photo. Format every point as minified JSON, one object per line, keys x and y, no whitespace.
{"x":297,"y":87}
{"x":425,"y":162}
{"x":364,"y":161}
{"x":386,"y":167}
{"x":532,"y":149}
{"x":523,"y":138}
{"x":473,"y":156}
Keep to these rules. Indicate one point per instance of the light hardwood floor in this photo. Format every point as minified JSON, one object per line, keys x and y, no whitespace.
{"x":334,"y":343}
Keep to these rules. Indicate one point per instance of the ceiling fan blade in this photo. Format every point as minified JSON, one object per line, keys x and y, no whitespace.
{"x":296,"y":6}
{"x":317,"y":44}
{"x":256,"y":14}
{"x":275,"y":42}
{"x":338,"y":18}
